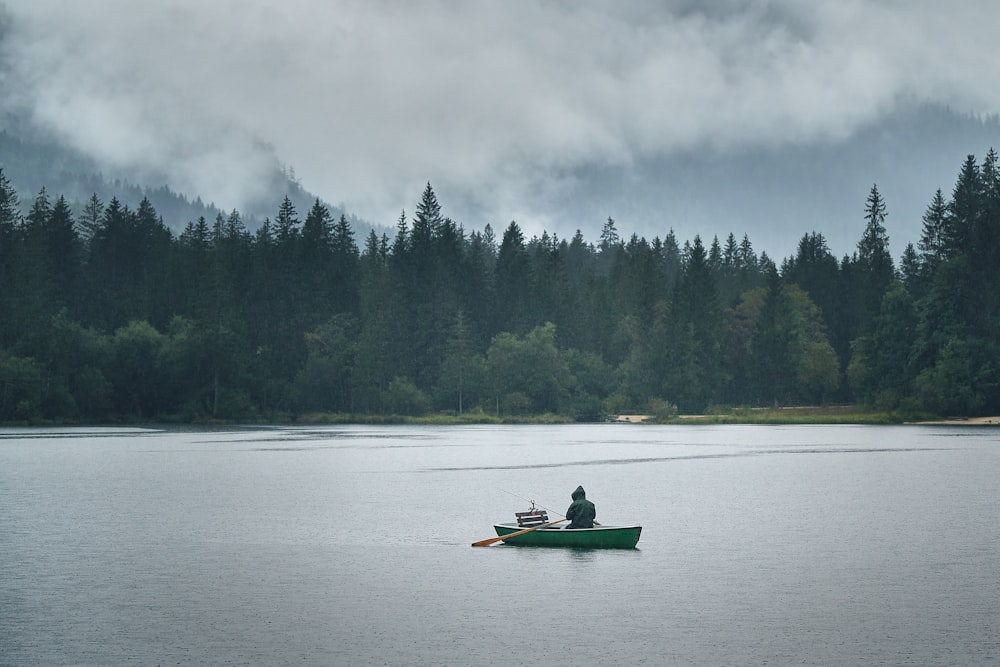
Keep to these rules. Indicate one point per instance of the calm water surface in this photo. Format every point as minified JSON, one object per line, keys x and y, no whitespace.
{"x":350,"y":546}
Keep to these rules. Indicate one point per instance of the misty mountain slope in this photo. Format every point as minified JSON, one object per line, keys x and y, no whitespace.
{"x":32,"y":161}
{"x":776,"y":196}
{"x":31,"y":164}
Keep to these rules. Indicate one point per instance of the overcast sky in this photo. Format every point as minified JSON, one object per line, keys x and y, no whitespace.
{"x":370,"y":100}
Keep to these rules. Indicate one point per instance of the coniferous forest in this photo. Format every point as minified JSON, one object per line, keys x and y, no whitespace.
{"x":107,"y":315}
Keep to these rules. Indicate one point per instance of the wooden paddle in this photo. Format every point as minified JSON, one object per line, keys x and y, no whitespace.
{"x":493,"y":540}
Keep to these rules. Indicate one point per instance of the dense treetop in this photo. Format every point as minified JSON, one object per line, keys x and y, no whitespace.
{"x":108,"y":315}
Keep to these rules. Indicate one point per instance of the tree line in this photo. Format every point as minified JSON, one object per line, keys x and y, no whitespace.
{"x":110,"y":316}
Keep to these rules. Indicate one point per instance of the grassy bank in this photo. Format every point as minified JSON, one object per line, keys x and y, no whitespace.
{"x":836,"y":414}
{"x":431,"y":420}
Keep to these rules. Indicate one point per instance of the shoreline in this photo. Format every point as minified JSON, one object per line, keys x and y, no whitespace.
{"x":961,"y":421}
{"x":765,"y":416}
{"x":804,"y":419}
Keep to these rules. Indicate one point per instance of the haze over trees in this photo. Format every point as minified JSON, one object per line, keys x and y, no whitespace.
{"x":108,"y":315}
{"x":40,"y":159}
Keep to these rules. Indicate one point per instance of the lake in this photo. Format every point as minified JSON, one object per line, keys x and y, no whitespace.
{"x":350,"y":545}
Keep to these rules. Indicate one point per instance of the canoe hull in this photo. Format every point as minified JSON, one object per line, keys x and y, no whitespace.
{"x":598,"y":537}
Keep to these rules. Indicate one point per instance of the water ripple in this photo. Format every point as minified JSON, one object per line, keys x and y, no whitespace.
{"x":692,"y":457}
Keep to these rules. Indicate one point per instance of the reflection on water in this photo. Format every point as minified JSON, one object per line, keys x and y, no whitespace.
{"x":350,"y":545}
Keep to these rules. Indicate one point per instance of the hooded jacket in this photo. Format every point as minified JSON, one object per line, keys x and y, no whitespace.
{"x":581,"y":512}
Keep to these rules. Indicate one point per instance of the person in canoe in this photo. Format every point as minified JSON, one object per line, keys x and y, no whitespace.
{"x":581,"y":512}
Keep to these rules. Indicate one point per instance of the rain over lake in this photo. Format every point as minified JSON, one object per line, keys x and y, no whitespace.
{"x":350,"y":545}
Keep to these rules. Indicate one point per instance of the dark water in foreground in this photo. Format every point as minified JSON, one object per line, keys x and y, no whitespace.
{"x":350,"y":546}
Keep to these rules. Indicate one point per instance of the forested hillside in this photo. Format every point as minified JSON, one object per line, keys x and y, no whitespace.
{"x":108,"y":315}
{"x":33,"y":161}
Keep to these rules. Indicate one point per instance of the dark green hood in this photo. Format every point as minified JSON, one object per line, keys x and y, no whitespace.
{"x":582,"y":512}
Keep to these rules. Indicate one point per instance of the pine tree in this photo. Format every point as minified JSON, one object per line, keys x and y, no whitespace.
{"x":426,"y":223}
{"x":697,"y":307}
{"x":313,"y":275}
{"x":477,"y":286}
{"x":874,"y":263}
{"x":729,"y":256}
{"x":194,"y":261}
{"x":890,"y":368}
{"x":964,"y":208}
{"x":90,"y":221}
{"x":342,"y":239}
{"x":39,"y":213}
{"x":286,"y":223}
{"x":44,"y":270}
{"x":933,"y":237}
{"x":62,"y":250}
{"x":152,"y":243}
{"x":401,"y":241}
{"x":9,"y":210}
{"x":317,"y":231}
{"x":609,"y":236}
{"x":909,"y":268}
{"x":513,"y":281}
{"x":748,"y":263}
{"x":815,"y":270}
{"x":345,"y":278}
{"x":715,"y":256}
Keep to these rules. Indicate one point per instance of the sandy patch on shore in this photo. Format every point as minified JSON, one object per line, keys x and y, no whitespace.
{"x":631,"y":419}
{"x":965,"y":421}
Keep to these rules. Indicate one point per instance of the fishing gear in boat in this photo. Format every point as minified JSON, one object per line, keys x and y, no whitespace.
{"x":533,"y":504}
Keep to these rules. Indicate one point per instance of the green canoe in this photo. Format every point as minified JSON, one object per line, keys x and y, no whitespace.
{"x":598,"y":537}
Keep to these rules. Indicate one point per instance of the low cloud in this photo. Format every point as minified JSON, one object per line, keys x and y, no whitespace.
{"x":495,"y":103}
